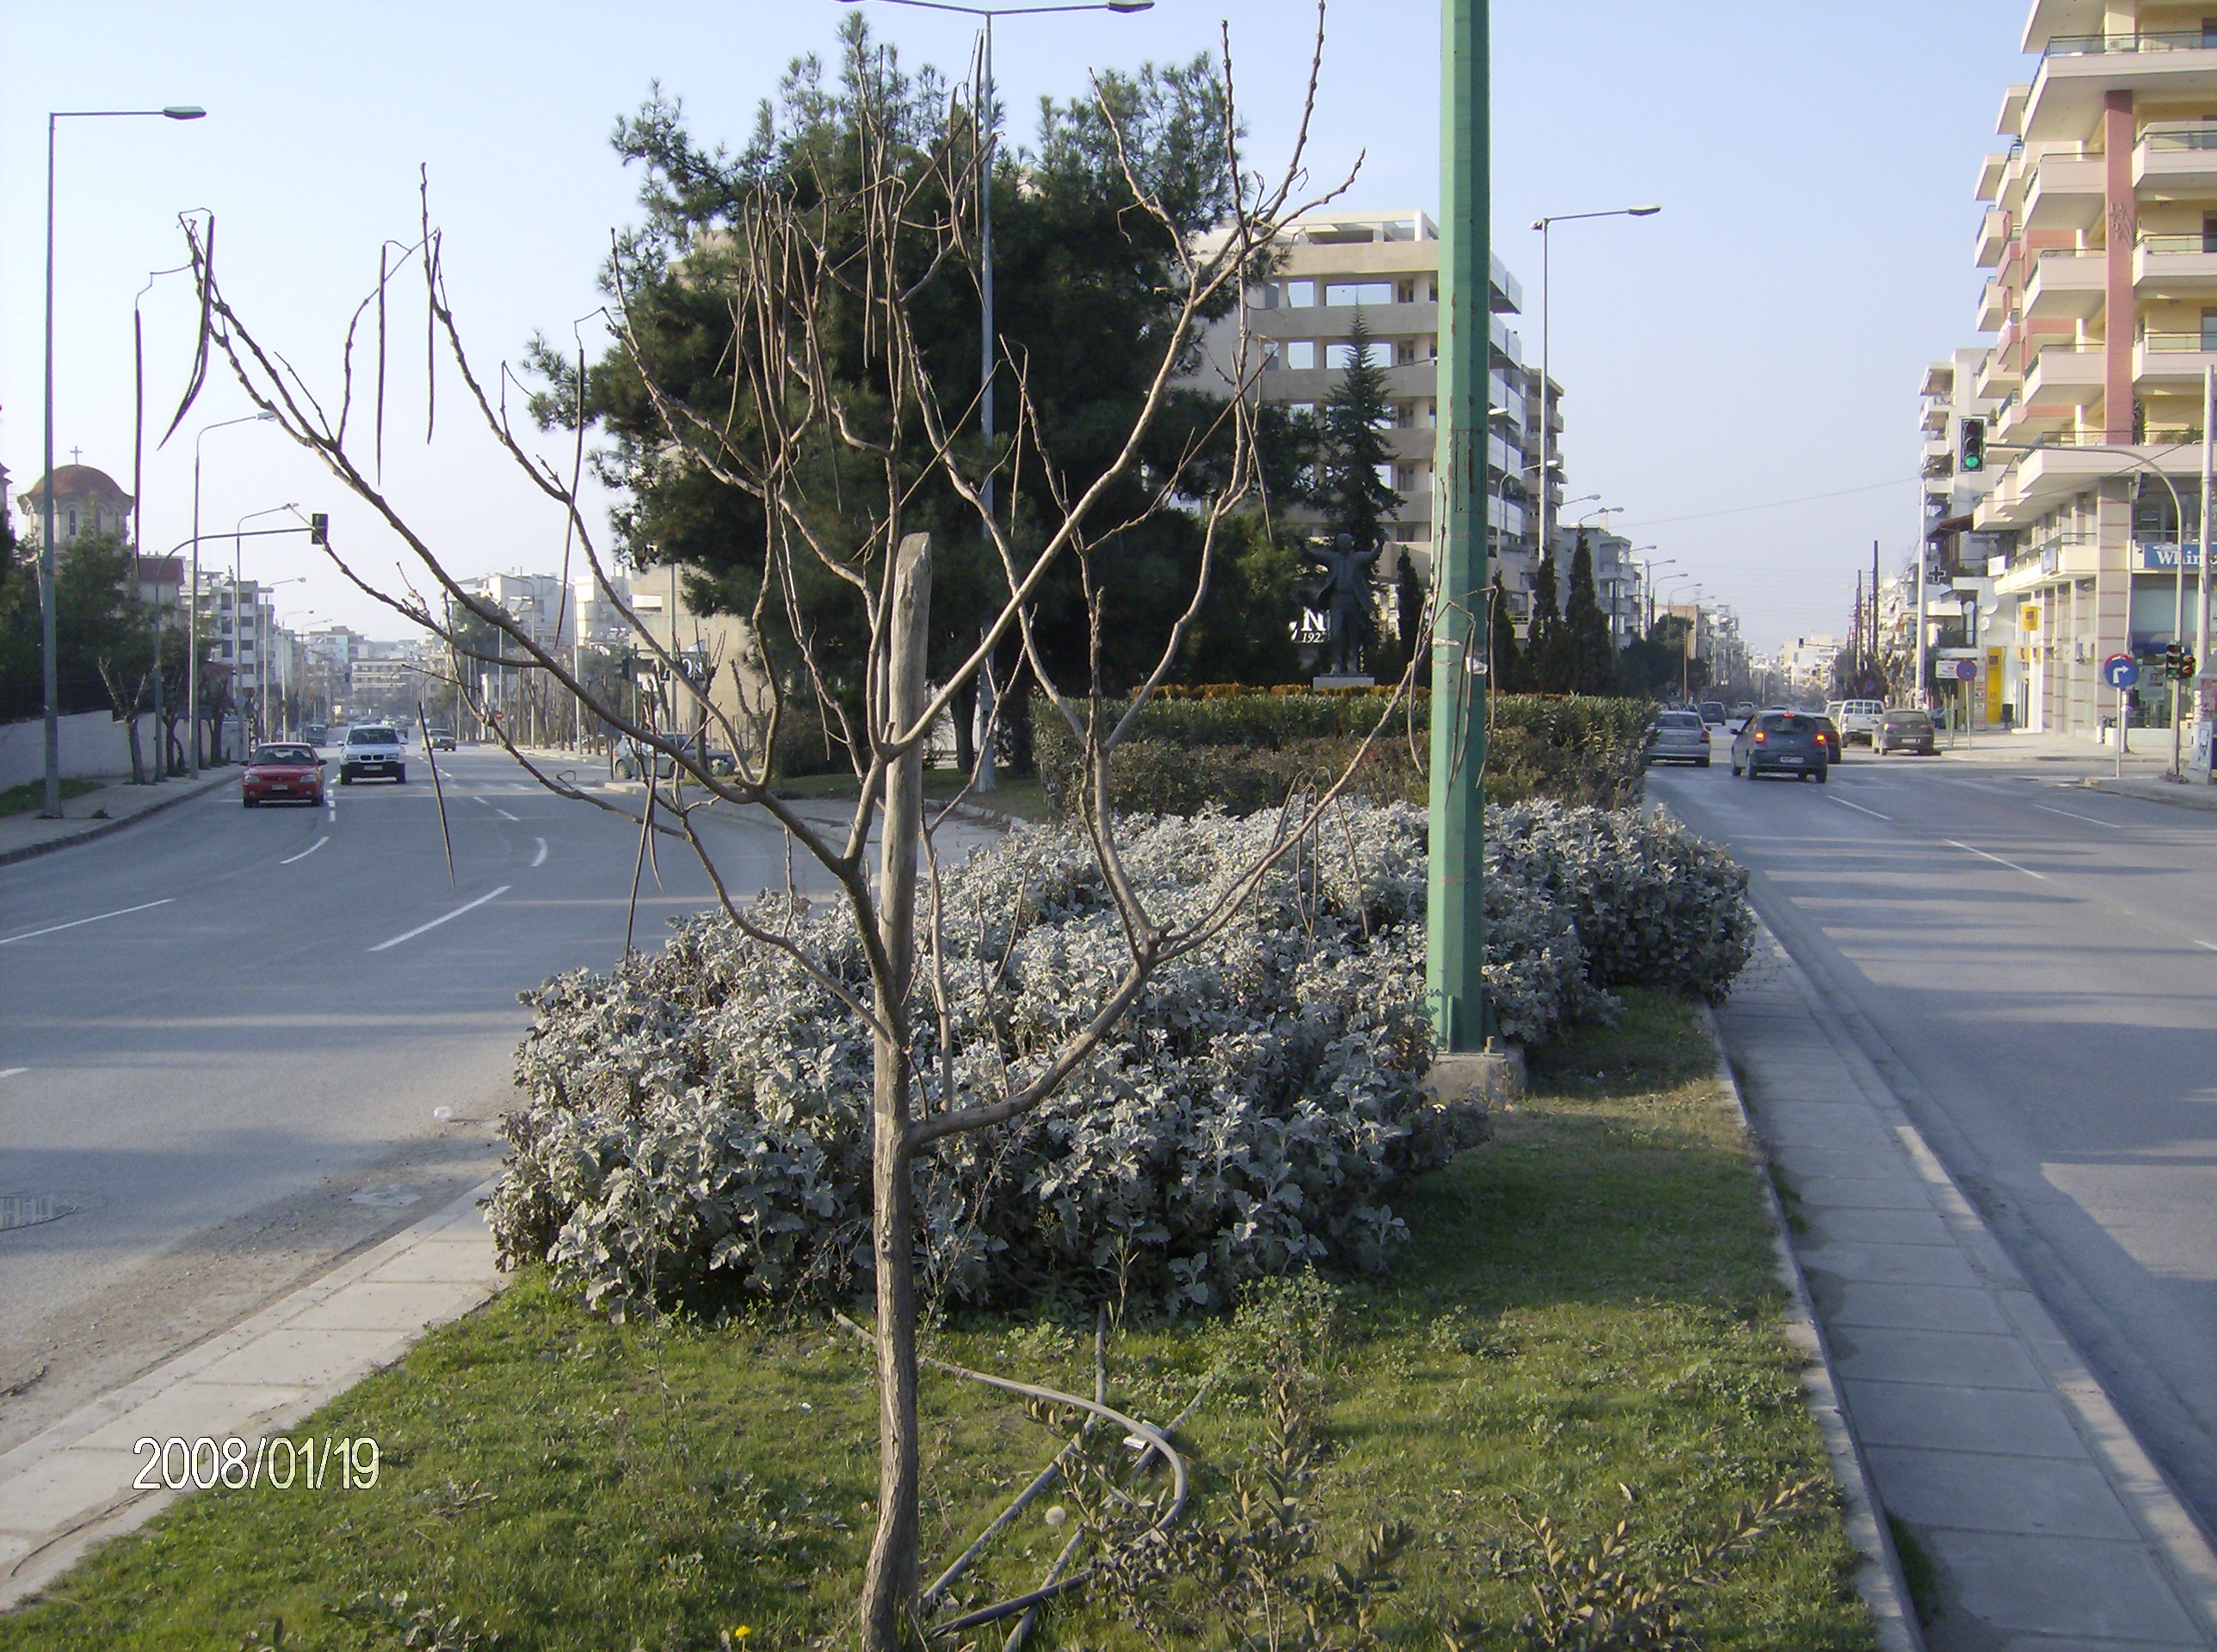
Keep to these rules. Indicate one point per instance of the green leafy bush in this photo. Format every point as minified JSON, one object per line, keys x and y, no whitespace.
{"x":699,"y":1117}
{"x":1242,"y":750}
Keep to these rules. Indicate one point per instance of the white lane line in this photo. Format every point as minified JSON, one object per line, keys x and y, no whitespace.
{"x":504,"y":815}
{"x":2209,"y":945}
{"x":2089,"y":819}
{"x":1999,"y":862}
{"x":306,"y":852}
{"x":56,"y":929}
{"x":485,"y":802}
{"x":1860,"y":810}
{"x":11,"y":1072}
{"x":540,"y":859}
{"x":445,"y":918}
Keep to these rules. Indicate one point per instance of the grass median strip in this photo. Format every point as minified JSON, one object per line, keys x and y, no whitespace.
{"x":1585,"y":1333}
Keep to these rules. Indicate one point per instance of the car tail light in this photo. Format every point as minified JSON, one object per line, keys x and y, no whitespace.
{"x":1761,"y":739}
{"x":1705,"y":736}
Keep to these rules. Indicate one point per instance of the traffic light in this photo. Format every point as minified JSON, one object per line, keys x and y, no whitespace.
{"x":1971,"y":445}
{"x":2186,"y":663}
{"x":319,"y":529}
{"x":2174,"y":661}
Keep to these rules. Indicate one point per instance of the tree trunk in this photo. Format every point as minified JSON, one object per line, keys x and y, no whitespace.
{"x":138,"y":763}
{"x":889,"y":1589}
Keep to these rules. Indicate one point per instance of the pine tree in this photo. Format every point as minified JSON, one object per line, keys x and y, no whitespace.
{"x":1591,"y":648}
{"x":1510,"y":676}
{"x":1544,"y":654}
{"x":1359,"y":496}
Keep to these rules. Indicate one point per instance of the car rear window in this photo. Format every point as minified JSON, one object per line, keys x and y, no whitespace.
{"x":1789,"y":723}
{"x":283,"y":754}
{"x":1910,"y":717}
{"x":1677,"y":720}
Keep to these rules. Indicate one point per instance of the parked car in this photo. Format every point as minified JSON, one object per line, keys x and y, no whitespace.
{"x":1742,"y":711}
{"x":1712,"y":711}
{"x":1828,"y":732}
{"x":1678,"y":738}
{"x":628,"y":759}
{"x":1779,"y":743}
{"x":439,"y":739}
{"x":290,"y":771}
{"x":372,"y":749}
{"x":1906,"y":727}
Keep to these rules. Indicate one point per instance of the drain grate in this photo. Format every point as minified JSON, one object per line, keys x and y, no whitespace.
{"x":29,"y":1210}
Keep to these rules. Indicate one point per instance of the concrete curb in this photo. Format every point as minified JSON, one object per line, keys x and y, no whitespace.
{"x":1879,"y":1580}
{"x":186,"y":790}
{"x":2192,"y":795}
{"x":70,"y":1486}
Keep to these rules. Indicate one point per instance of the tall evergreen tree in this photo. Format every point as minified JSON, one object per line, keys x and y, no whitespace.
{"x":1356,"y":480}
{"x":1510,"y":676}
{"x":1591,"y":648}
{"x":1546,"y":658}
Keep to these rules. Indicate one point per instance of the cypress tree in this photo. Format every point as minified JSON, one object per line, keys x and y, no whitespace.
{"x":1543,"y":644}
{"x":1510,"y":676}
{"x":1591,"y":650}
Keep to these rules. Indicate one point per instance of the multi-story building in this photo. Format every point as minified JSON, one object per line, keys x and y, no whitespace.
{"x":1384,"y":268}
{"x":537,"y":602}
{"x":2101,"y":229}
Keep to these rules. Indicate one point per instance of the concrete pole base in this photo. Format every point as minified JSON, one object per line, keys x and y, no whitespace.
{"x":1491,"y":1075}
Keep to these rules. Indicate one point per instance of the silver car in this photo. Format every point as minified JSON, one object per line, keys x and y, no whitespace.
{"x":1678,"y":738}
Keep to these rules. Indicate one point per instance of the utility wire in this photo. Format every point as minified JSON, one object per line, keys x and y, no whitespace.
{"x":1775,"y":504}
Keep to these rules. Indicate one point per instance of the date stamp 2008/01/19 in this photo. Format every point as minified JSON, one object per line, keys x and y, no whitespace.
{"x":278,"y":1462}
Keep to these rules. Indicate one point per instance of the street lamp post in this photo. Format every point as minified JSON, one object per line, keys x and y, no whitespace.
{"x":987,"y":351}
{"x":53,"y":806}
{"x":1545,"y":226}
{"x":192,"y":595}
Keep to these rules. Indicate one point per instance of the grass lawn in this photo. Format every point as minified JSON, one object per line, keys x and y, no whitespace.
{"x":31,"y":796}
{"x":1020,"y":798}
{"x":1588,"y":1311}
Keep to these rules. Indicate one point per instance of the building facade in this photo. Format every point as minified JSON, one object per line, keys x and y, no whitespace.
{"x":2101,"y":231}
{"x":1384,"y":268}
{"x":86,"y":501}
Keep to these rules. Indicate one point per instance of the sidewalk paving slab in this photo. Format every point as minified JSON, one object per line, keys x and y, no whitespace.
{"x":1983,"y":1430}
{"x":109,"y":808}
{"x":72,"y":1485}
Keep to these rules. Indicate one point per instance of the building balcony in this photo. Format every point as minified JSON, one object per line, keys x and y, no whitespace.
{"x":2064,"y":191}
{"x":2175,"y":160}
{"x":2077,"y":70}
{"x":2184,"y":266}
{"x":1994,"y":307}
{"x":2071,"y":373}
{"x":2067,"y":284}
{"x":2172,"y":360}
{"x":1993,"y":237}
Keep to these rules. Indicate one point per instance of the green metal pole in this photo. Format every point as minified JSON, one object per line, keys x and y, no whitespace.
{"x":1455,"y":949}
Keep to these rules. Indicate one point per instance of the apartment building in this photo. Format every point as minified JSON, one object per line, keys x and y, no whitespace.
{"x":1962,"y":560}
{"x":1384,"y":267}
{"x":2101,"y":231}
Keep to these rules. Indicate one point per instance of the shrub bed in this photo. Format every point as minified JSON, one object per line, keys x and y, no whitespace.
{"x":699,"y":1117}
{"x":1246,"y":750}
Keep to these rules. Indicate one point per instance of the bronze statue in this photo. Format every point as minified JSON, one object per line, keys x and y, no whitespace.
{"x":1346,"y":596}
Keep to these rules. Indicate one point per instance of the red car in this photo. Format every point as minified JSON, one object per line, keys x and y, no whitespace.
{"x":291,"y":774}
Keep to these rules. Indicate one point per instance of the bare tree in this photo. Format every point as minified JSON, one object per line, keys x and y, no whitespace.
{"x":817,"y":459}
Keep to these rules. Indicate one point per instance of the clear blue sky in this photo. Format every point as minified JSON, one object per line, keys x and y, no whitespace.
{"x":1761,"y":340}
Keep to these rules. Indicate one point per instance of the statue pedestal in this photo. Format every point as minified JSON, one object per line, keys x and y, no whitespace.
{"x":1323,"y":682}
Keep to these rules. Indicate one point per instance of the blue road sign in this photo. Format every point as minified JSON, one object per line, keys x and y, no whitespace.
{"x":2121,"y":671}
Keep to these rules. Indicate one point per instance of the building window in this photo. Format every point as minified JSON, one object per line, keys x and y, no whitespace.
{"x":1273,"y":356}
{"x":1300,"y":353}
{"x":1359,"y":293}
{"x":1300,"y":295}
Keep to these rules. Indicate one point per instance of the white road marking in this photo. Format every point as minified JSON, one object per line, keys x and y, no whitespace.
{"x":540,"y":859}
{"x":306,"y":852}
{"x":504,"y":815}
{"x":53,"y":929}
{"x":2210,"y":945}
{"x":484,"y":801}
{"x":2089,"y":819}
{"x":10,"y":1072}
{"x":445,"y":918}
{"x":1999,"y":862}
{"x":1860,"y":810}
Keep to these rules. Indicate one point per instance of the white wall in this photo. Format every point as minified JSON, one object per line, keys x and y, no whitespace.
{"x":93,"y":745}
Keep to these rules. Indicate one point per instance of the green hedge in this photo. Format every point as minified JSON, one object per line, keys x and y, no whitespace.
{"x":1247,"y":750}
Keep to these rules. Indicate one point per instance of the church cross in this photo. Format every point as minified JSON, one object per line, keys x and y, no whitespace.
{"x":77,"y":455}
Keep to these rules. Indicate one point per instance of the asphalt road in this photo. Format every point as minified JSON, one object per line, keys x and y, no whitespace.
{"x":244,"y":1043}
{"x":2033,"y":967}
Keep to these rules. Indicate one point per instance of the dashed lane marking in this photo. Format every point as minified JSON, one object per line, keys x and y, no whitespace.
{"x":504,"y":815}
{"x":1999,"y":862}
{"x":98,"y":918}
{"x":12,"y":1072}
{"x":2089,"y":819}
{"x":446,"y":917}
{"x":2208,"y":945}
{"x":306,"y":852}
{"x":540,"y":859}
{"x":1860,"y":810}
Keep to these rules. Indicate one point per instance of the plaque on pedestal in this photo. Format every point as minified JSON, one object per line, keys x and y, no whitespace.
{"x":1331,"y":681}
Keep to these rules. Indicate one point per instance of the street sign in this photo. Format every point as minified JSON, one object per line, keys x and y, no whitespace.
{"x":1962,"y":671}
{"x":2121,"y":671}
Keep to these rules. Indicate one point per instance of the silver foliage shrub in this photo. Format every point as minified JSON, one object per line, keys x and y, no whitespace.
{"x":700,"y":1115}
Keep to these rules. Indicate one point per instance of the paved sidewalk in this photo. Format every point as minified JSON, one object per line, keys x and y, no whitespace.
{"x":1986,"y":1436}
{"x":108,"y":809}
{"x":71,"y":1486}
{"x":2195,"y":794}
